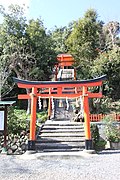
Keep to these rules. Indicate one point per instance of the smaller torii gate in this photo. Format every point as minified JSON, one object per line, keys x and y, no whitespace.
{"x":58,"y":89}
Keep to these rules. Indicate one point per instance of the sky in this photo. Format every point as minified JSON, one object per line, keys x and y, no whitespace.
{"x":62,"y":12}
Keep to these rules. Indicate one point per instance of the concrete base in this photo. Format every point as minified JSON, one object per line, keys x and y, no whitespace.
{"x":90,"y":151}
{"x":31,"y":145}
{"x":28,"y":155}
{"x":29,"y":152}
{"x":88,"y":144}
{"x":61,"y":155}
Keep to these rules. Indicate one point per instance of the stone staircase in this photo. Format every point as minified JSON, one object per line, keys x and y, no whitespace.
{"x":61,"y":136}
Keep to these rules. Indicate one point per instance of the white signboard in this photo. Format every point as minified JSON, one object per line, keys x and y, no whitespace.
{"x":1,"y":120}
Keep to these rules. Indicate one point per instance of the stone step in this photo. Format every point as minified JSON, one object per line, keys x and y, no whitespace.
{"x":63,"y":123}
{"x":62,"y":131}
{"x":61,"y":127}
{"x":61,"y":136}
{"x":58,"y":146}
{"x":60,"y":139}
{"x":61,"y":144}
{"x":75,"y":134}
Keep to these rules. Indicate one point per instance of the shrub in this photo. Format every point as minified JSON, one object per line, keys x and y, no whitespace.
{"x":112,"y":130}
{"x":19,"y":121}
{"x":94,"y":133}
{"x":98,"y":142}
{"x":42,"y":116}
{"x":16,"y":121}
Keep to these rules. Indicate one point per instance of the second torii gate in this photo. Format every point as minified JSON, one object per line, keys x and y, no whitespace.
{"x":58,"y":89}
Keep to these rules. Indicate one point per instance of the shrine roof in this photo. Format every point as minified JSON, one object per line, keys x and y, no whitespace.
{"x":7,"y":103}
{"x":97,"y":79}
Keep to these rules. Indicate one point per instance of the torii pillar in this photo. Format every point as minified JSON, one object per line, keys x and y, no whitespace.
{"x":32,"y":137}
{"x":88,"y":138}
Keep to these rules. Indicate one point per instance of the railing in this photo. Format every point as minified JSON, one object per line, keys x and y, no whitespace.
{"x":99,"y":117}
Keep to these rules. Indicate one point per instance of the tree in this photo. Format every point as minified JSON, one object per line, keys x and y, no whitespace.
{"x":111,"y":31}
{"x":42,"y":45}
{"x":5,"y":46}
{"x":109,"y":64}
{"x":26,"y":47}
{"x":59,"y":36}
{"x":4,"y":74}
{"x":84,"y":41}
{"x":13,"y":50}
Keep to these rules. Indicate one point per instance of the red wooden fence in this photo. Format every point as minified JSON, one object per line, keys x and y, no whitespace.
{"x":99,"y":117}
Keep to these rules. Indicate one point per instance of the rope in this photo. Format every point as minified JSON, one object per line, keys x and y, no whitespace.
{"x":53,"y":105}
{"x":39,"y":102}
{"x":67,"y":104}
{"x":81,"y":106}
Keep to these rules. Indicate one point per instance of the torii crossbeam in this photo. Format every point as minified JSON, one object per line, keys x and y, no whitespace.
{"x":58,"y":89}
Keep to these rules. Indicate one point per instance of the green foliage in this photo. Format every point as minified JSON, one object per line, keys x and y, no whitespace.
{"x":42,"y":116}
{"x":19,"y":121}
{"x":100,"y":145}
{"x":41,"y":44}
{"x":83,"y":41}
{"x":25,"y":47}
{"x":59,"y":36}
{"x":95,"y":133}
{"x":16,"y":121}
{"x":109,"y":64}
{"x":12,"y":46}
{"x":112,"y":130}
{"x":29,"y":52}
{"x":98,"y":142}
{"x":101,"y":105}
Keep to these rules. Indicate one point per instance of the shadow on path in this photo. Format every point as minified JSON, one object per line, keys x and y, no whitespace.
{"x":109,"y":152}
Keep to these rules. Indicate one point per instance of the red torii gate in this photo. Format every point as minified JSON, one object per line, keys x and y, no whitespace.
{"x":57,"y":89}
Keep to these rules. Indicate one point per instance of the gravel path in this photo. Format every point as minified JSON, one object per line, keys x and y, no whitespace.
{"x":102,"y":166}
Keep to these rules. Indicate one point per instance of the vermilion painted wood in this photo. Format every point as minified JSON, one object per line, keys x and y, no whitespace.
{"x":65,"y":60}
{"x":86,"y":114}
{"x":99,"y":117}
{"x":66,"y":85}
{"x":60,"y":96}
{"x":33,"y":114}
{"x":49,"y":104}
